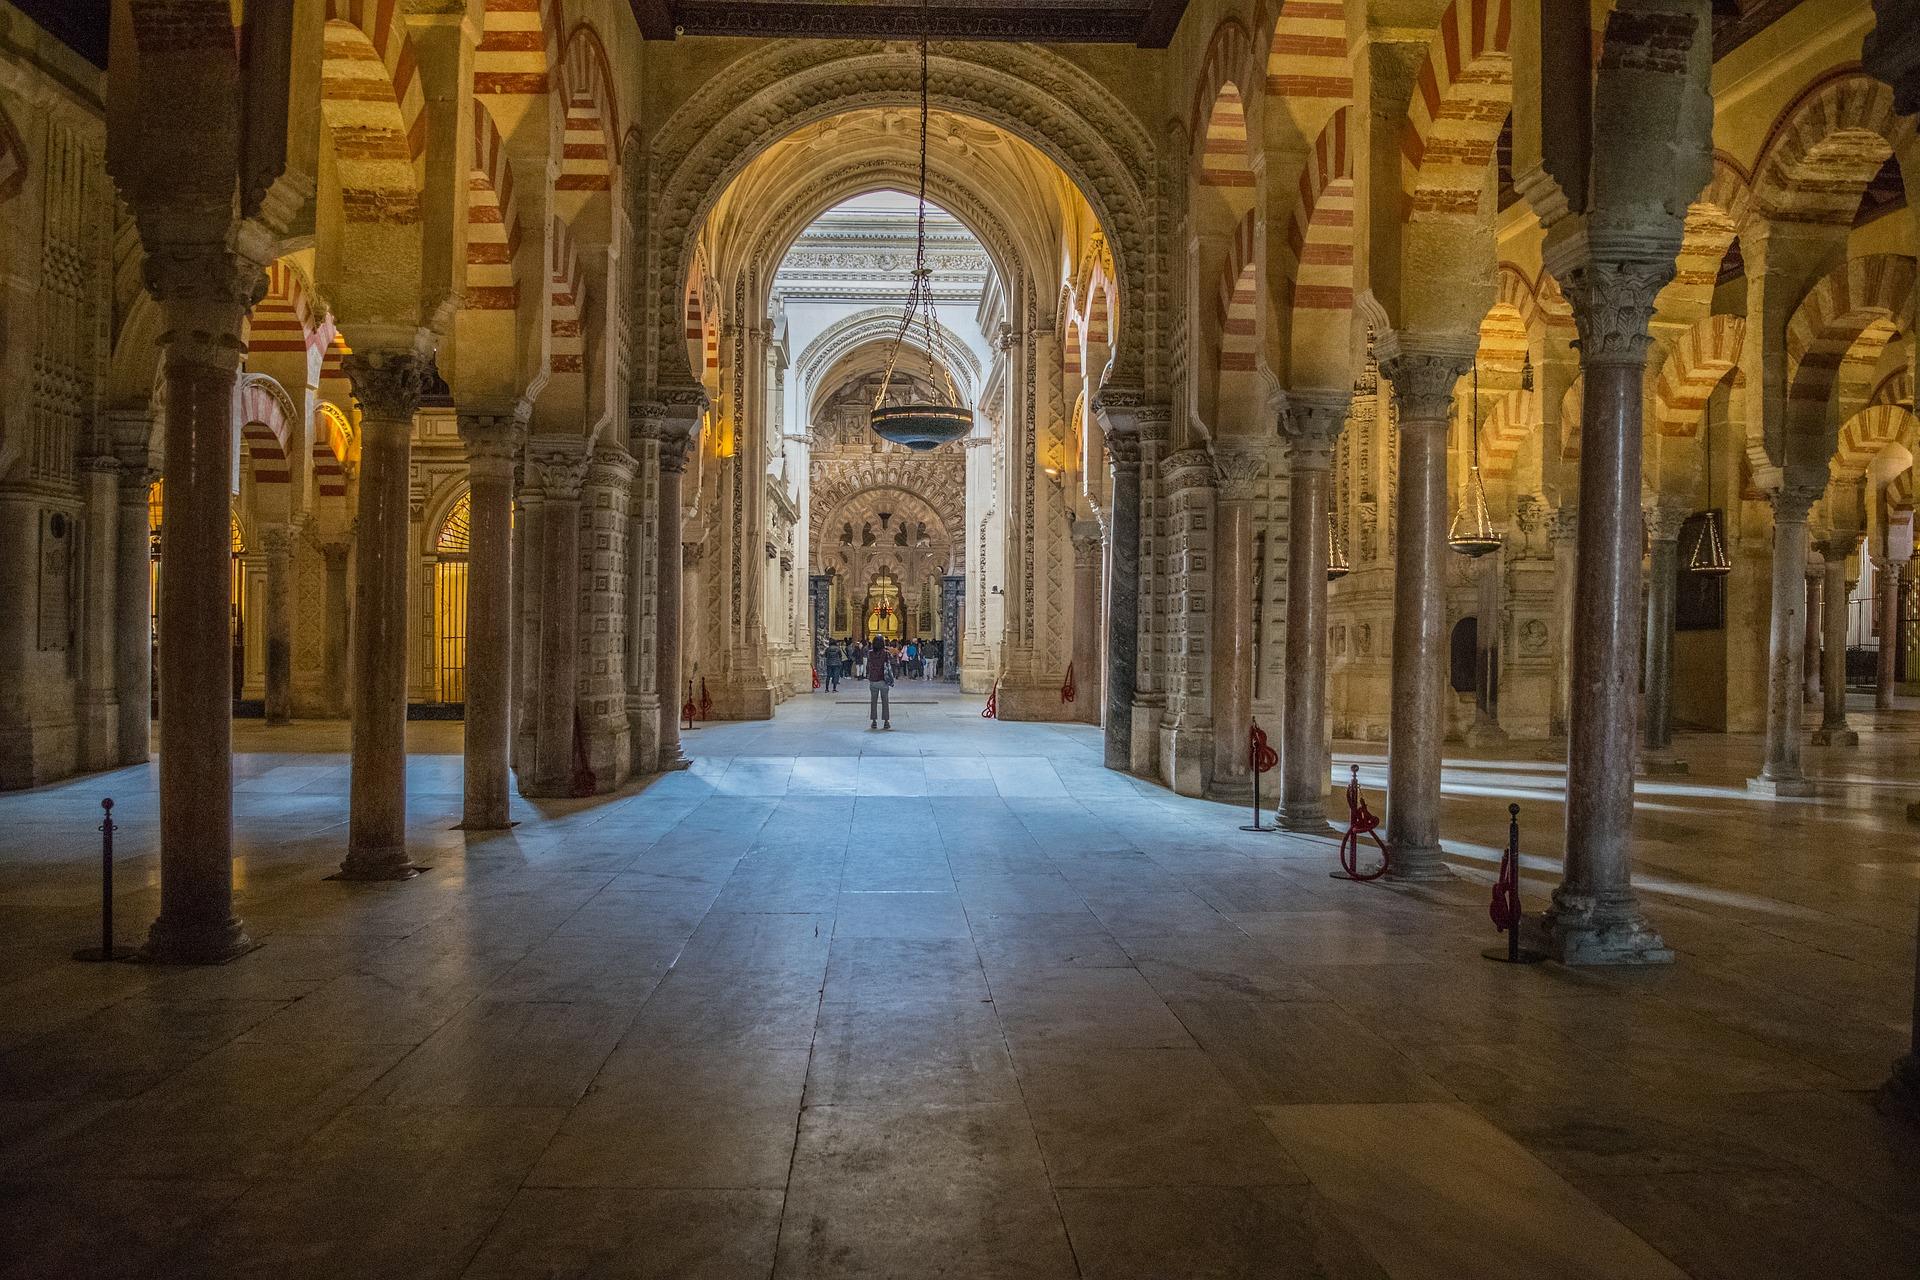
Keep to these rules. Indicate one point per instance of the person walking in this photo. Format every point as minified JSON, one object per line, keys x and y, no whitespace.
{"x":879,"y":669}
{"x":832,"y":661}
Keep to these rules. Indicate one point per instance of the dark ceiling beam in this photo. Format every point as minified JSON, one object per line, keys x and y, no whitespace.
{"x":1149,"y":23}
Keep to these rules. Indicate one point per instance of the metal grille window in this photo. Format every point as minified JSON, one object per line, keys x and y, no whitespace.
{"x":450,"y":604}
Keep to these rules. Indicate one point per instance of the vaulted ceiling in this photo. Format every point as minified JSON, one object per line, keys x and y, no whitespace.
{"x":1149,"y":23}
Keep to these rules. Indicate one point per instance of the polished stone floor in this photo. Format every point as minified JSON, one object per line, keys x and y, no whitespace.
{"x":955,"y":1001}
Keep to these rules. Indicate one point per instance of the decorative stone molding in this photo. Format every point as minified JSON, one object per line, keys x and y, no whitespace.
{"x":1187,"y":469}
{"x":1311,"y":422}
{"x":557,"y":466}
{"x":1612,"y":306}
{"x":1238,"y":466}
{"x":388,"y":384}
{"x":1424,"y":375}
{"x":1087,"y":543}
{"x":493,"y":442}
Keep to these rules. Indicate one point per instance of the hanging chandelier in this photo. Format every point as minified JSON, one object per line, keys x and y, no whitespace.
{"x":917,"y":425}
{"x":1709,"y":558}
{"x":1337,"y":566}
{"x":1472,"y":533}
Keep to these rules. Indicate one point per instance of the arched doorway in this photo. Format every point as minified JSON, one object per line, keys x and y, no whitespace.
{"x":450,"y":548}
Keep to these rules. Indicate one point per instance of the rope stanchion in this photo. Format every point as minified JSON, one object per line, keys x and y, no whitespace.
{"x":1504,"y":909}
{"x":687,"y":710}
{"x":1261,"y":757}
{"x":992,"y":710}
{"x":106,"y":950}
{"x":816,"y":679}
{"x":706,"y":701}
{"x":1361,"y":821}
{"x":1067,"y":689}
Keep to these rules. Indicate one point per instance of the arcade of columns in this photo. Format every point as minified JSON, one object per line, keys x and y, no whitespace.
{"x":390,"y":240}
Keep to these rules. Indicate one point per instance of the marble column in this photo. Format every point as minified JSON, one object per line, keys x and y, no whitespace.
{"x":1663,"y":535}
{"x":99,"y":696}
{"x":558,"y":464}
{"x":1810,"y":667}
{"x":1423,"y":379}
{"x":1781,"y":774}
{"x":676,"y":439}
{"x":1087,"y":555}
{"x":1238,"y":465}
{"x":1312,"y":425}
{"x":492,"y":443}
{"x":337,"y":637}
{"x":1594,"y":917}
{"x":387,"y":385}
{"x":277,"y":542}
{"x":203,"y":303}
{"x":1120,"y":413}
{"x":133,"y":615}
{"x":1564,"y":533}
{"x":1834,"y":731}
{"x":1886,"y":601}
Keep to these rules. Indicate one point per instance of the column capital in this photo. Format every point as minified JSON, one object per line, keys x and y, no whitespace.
{"x":1238,"y":465}
{"x":1424,"y":370}
{"x":1311,"y":421}
{"x":1792,"y":501}
{"x":493,"y":442}
{"x":1564,"y":524}
{"x":1187,"y":469}
{"x":1664,"y":520}
{"x":1612,"y":307}
{"x":609,"y":464}
{"x":276,"y":540}
{"x":388,"y":384}
{"x":1129,"y":420}
{"x":1087,"y":541}
{"x":557,"y":466}
{"x":204,"y":292}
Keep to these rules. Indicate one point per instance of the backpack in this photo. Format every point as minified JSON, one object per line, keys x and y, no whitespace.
{"x":876,"y":664}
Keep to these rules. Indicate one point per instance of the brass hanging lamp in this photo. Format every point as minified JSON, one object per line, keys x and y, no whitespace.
{"x":1709,"y":558}
{"x":920,"y":426}
{"x":1337,"y":566}
{"x":1472,"y":533}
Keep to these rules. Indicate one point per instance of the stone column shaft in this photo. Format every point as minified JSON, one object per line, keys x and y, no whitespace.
{"x":1886,"y":586}
{"x":1416,"y":725}
{"x":1781,"y":774}
{"x":200,"y":360}
{"x":1312,"y":427}
{"x":491,"y":443}
{"x":1237,"y":468}
{"x":1811,"y":667}
{"x":1834,"y":730}
{"x":133,"y":616}
{"x":1595,"y":918}
{"x":1662,"y":586}
{"x":1087,"y":554}
{"x":1123,"y":582}
{"x":279,"y":625}
{"x":674,"y":445}
{"x":559,"y":465}
{"x":99,"y":699}
{"x":387,"y":384}
{"x":338,"y":638}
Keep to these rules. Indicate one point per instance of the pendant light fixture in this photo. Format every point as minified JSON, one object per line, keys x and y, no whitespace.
{"x":1709,"y":558}
{"x":1472,"y":533}
{"x":920,"y":426}
{"x":1337,"y":566}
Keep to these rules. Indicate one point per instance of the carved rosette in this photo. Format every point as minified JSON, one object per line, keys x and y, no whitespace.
{"x":1423,"y":383}
{"x":1237,"y":468}
{"x":388,"y":384}
{"x":1612,"y":306}
{"x":1311,"y":422}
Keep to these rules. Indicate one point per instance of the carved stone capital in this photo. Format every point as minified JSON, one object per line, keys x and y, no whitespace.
{"x":493,"y":443}
{"x":1237,"y":468}
{"x":1311,"y":422}
{"x":556,"y":466}
{"x":388,"y":384}
{"x":1792,"y":501}
{"x":1663,"y":521}
{"x":204,"y":292}
{"x":1086,"y":536}
{"x":1187,"y":469}
{"x":1564,"y":524}
{"x":1612,"y":305}
{"x":276,"y":541}
{"x":610,"y":466}
{"x":1423,"y":378}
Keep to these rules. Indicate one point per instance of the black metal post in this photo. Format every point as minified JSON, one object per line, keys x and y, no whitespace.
{"x":106,"y":950}
{"x":1513,"y":846}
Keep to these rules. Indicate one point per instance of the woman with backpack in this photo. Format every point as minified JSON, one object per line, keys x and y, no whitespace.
{"x":879,"y":671}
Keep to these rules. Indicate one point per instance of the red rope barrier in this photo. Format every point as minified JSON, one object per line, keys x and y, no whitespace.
{"x":1360,"y":822}
{"x":706,"y":701}
{"x":992,"y":710}
{"x":1067,"y":689}
{"x":1259,"y":754}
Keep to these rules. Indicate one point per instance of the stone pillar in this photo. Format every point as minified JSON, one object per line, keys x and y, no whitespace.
{"x":1810,"y":667}
{"x":277,"y":542}
{"x":1663,"y":535}
{"x":1594,"y":917}
{"x":1781,"y":774}
{"x":387,"y":385}
{"x":1120,"y":413}
{"x":676,"y":438}
{"x":1834,"y":730}
{"x":202,"y":298}
{"x":1312,"y":423}
{"x":99,"y":697}
{"x":492,"y":442}
{"x":1238,"y":465}
{"x":133,"y":615}
{"x":337,"y":641}
{"x":1886,"y":599}
{"x":1423,"y":379}
{"x":1564,"y":533}
{"x":1087,"y":555}
{"x":558,"y":465}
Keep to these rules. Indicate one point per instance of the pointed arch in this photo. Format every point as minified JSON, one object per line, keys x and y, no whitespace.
{"x":265,"y":424}
{"x":1228,"y":64}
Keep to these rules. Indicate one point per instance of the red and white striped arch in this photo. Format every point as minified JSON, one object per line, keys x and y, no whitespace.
{"x":519,"y":48}
{"x":1826,"y":146}
{"x":1503,"y":337}
{"x":493,"y":221}
{"x":1511,"y":422}
{"x":1238,"y":301}
{"x":1460,"y":101}
{"x":1308,"y":56}
{"x":1320,"y":234}
{"x":281,"y":320}
{"x":567,"y":349}
{"x":332,"y":439}
{"x":335,"y":387}
{"x":1865,"y":435}
{"x":1218,"y":115}
{"x":264,"y":430}
{"x":1900,"y":493}
{"x":1895,"y":388}
{"x":1835,"y":313}
{"x":1713,"y":222}
{"x":591,"y":124}
{"x":1695,"y":365}
{"x":371,"y":101}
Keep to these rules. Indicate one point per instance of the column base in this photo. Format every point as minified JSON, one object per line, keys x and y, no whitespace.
{"x":486,"y":822}
{"x":1310,"y":820}
{"x":1824,"y":737}
{"x":1416,"y":864}
{"x":1780,"y":788}
{"x":176,"y":942}
{"x":1485,"y":733}
{"x":1231,"y":790}
{"x":1900,"y":1095}
{"x":675,"y":762}
{"x":1661,"y":764}
{"x":377,"y":864}
{"x":1590,"y":938}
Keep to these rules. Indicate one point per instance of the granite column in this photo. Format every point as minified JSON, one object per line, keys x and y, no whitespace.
{"x":1781,"y":774}
{"x":1663,"y":536}
{"x":1312,"y":425}
{"x":492,"y":443}
{"x":1238,"y":465}
{"x":1834,"y":731}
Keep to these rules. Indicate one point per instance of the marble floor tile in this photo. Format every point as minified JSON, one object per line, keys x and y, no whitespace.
{"x":594,"y":1233}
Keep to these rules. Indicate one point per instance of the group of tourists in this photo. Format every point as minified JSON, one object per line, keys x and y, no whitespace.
{"x":879,"y":663}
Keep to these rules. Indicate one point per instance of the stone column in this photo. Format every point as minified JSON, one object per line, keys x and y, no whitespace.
{"x":1423,"y":379}
{"x":1834,"y":730}
{"x":1663,"y":534}
{"x":202,"y":297}
{"x":676,"y":438}
{"x":1886,"y":599}
{"x":1087,"y":555}
{"x":492,"y":442}
{"x":1595,"y":918}
{"x":99,"y":697}
{"x":337,"y":642}
{"x":277,"y":542}
{"x":133,"y":615}
{"x":1237,"y":465}
{"x":1811,"y":667}
{"x":558,"y":464}
{"x":1781,"y":774}
{"x":1312,"y":424}
{"x":1120,"y":413}
{"x":1564,"y":533}
{"x":387,"y":384}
